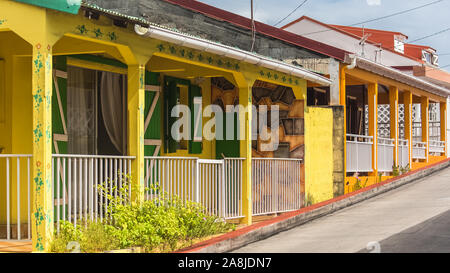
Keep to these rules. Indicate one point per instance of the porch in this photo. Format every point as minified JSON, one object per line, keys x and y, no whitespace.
{"x":98,"y":108}
{"x":391,"y":127}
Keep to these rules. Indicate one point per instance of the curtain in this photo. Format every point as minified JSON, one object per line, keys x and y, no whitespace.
{"x":81,"y":118}
{"x":112,"y":107}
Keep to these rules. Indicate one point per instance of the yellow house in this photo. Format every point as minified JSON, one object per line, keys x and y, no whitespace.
{"x":87,"y":96}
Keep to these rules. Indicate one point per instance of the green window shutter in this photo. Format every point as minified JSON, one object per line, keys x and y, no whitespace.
{"x":152,"y":114}
{"x":59,"y":105}
{"x":59,"y":127}
{"x":195,"y":105}
{"x":171,"y":99}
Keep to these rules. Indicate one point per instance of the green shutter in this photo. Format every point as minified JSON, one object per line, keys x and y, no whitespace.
{"x":59,"y":125}
{"x":59,"y":105}
{"x":229,"y":148}
{"x":171,"y":99}
{"x":195,"y":105}
{"x":152,"y":114}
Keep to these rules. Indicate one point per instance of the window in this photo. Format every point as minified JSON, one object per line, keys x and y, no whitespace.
{"x":96,"y":112}
{"x":182,"y":92}
{"x":399,"y":46}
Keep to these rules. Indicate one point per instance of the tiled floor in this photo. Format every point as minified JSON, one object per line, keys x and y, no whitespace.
{"x":15,"y":247}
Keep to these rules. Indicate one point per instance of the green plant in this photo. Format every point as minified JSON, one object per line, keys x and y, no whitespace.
{"x":357,"y":186}
{"x":162,"y":224}
{"x":309,"y":200}
{"x":396,"y":170}
{"x":405,"y":169}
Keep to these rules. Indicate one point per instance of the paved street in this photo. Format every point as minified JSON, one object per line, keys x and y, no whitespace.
{"x":412,"y":218}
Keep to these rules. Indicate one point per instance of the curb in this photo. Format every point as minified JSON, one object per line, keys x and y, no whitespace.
{"x":259,"y":231}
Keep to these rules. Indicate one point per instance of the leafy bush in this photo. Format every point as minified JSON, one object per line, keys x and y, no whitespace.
{"x":163,"y":224}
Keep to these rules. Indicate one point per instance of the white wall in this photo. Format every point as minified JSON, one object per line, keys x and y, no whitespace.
{"x":448,"y":126}
{"x":348,"y":43}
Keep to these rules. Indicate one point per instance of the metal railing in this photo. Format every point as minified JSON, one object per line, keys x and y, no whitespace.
{"x":437,"y":147}
{"x":75,"y":187}
{"x":216,"y":184}
{"x":403,"y":152}
{"x":419,"y":150}
{"x":385,"y":158}
{"x":359,"y":153}
{"x":16,"y":170}
{"x":276,"y":185}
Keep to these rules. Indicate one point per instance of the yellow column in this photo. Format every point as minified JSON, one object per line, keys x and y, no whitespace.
{"x":407,"y":101}
{"x":373,"y":123}
{"x":393,"y":101}
{"x":424,"y":105}
{"x":42,"y":217}
{"x":245,"y":119}
{"x":443,"y":108}
{"x":343,"y":102}
{"x":136,"y":99}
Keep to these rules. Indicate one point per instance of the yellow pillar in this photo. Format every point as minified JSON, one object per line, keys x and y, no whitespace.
{"x":245,"y":119}
{"x":443,"y":108}
{"x":136,"y":99}
{"x":407,"y":101}
{"x":373,"y":123}
{"x":343,"y":102}
{"x":393,"y":101}
{"x":424,"y":106}
{"x":42,"y":217}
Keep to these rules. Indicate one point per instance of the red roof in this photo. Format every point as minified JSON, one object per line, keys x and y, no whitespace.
{"x":377,"y":36}
{"x":261,"y":28}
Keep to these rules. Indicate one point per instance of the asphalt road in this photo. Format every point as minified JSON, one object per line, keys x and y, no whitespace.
{"x":412,"y":218}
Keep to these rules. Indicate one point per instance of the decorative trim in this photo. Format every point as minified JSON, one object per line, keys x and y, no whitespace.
{"x":96,"y":33}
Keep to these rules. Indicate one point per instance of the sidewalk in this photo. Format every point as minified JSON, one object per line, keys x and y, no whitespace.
{"x":259,"y":231}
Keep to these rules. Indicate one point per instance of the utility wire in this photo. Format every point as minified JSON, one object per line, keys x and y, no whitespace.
{"x":299,"y":6}
{"x":431,"y":35}
{"x":380,"y":18}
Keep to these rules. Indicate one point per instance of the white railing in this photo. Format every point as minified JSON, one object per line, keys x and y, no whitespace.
{"x":276,"y":185}
{"x":359,"y":153}
{"x":403,"y":152}
{"x":437,"y":147}
{"x":216,"y":184}
{"x":419,"y":150}
{"x":75,"y":187}
{"x":15,"y":187}
{"x":385,"y":158}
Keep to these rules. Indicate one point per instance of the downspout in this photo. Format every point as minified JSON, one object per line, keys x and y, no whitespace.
{"x":343,"y":90}
{"x":227,"y":51}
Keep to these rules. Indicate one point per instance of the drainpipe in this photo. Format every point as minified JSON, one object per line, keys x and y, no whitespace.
{"x":230,"y":52}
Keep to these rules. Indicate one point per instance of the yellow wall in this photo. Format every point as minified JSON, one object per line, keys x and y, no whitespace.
{"x":15,"y":119}
{"x":319,"y":154}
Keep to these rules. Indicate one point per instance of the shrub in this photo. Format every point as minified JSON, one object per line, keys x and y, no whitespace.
{"x":163,"y":224}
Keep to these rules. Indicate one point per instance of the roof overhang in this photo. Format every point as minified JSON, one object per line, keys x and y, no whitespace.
{"x":396,"y":75}
{"x":146,"y":28}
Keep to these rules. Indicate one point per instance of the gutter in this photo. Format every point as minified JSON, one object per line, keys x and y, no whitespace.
{"x":227,"y":51}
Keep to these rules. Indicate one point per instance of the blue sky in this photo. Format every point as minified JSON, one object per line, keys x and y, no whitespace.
{"x":414,"y":24}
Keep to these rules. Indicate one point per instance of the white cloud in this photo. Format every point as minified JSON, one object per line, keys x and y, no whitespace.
{"x":373,"y":2}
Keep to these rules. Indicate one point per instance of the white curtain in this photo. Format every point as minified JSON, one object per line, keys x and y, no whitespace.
{"x":81,"y":121}
{"x":112,"y":107}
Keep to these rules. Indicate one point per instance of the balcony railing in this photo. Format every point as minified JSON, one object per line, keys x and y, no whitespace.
{"x":17,"y":187}
{"x":76,"y":180}
{"x":419,"y":150}
{"x":216,"y":184}
{"x":359,"y":153}
{"x":276,"y":185}
{"x":403,"y":152}
{"x":437,"y":147}
{"x":385,"y":157}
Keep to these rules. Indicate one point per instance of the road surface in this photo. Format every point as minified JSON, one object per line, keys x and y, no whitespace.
{"x":412,"y":218}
